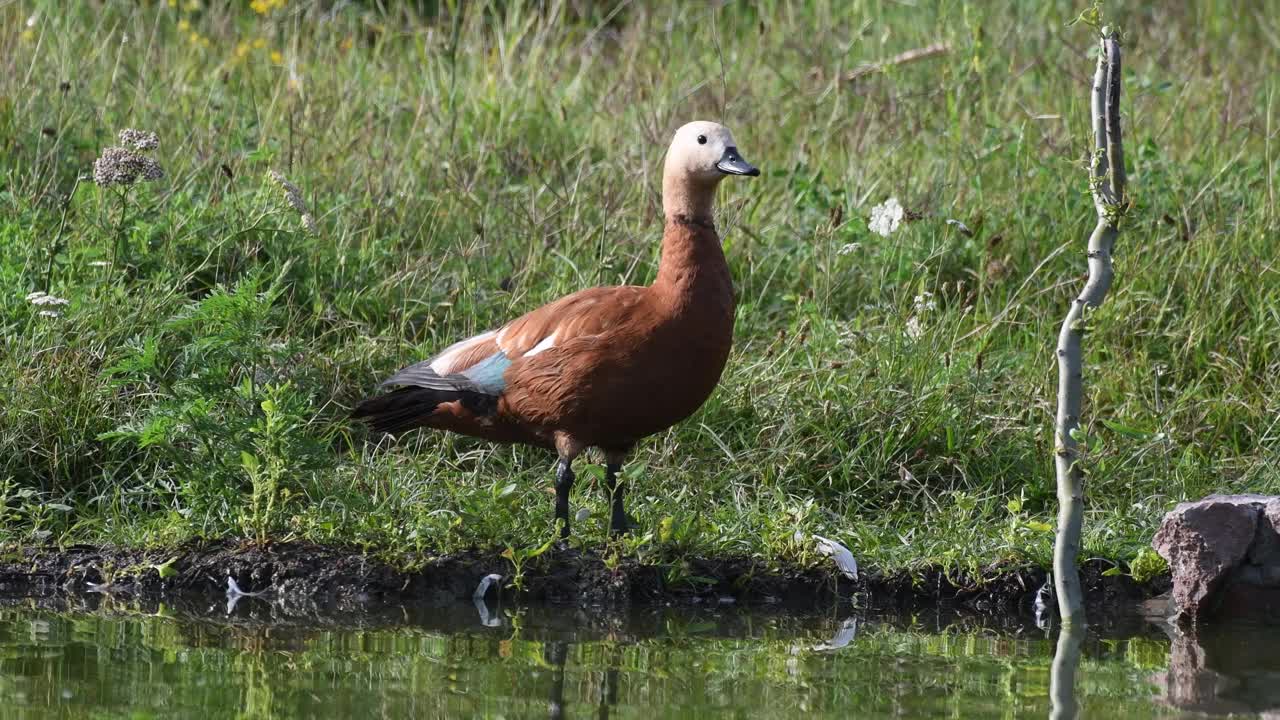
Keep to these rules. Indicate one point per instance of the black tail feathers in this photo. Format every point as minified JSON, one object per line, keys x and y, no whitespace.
{"x":406,"y":408}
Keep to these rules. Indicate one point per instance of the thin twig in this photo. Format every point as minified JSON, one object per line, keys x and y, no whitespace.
{"x":902,"y":58}
{"x":1107,"y":182}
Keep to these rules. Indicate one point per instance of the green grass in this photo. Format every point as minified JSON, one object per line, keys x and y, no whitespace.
{"x":463,"y":169}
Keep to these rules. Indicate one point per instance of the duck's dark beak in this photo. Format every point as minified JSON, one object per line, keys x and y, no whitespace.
{"x":733,"y":164}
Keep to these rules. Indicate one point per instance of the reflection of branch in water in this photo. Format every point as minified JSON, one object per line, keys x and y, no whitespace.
{"x":609,"y":692}
{"x":1062,"y":676}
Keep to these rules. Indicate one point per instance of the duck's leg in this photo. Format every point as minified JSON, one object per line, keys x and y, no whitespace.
{"x":564,"y":483}
{"x":568,"y":449}
{"x":618,"y":522}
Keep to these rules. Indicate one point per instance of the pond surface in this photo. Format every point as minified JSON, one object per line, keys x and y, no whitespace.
{"x":107,"y":657}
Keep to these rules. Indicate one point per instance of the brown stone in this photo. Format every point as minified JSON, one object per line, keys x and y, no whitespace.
{"x":1223,"y":542}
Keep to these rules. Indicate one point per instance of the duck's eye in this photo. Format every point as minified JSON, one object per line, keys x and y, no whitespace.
{"x":702,"y":139}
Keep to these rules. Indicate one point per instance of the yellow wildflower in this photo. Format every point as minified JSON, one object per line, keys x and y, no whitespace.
{"x":276,"y":57}
{"x":242,"y":50}
{"x":173,"y":3}
{"x":259,"y":43}
{"x":262,"y":7}
{"x":184,"y":25}
{"x":28,"y":35}
{"x":192,"y":5}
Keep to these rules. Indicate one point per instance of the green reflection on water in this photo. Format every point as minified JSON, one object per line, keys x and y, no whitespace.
{"x":125,"y":660}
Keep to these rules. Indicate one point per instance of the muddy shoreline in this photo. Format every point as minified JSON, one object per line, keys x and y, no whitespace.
{"x":337,"y":579}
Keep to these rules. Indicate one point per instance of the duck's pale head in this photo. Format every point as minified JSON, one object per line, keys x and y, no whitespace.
{"x":702,"y":154}
{"x":706,"y":151}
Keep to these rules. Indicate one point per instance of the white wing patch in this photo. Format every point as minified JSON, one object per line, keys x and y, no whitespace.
{"x":545,"y":344}
{"x":446,"y":359}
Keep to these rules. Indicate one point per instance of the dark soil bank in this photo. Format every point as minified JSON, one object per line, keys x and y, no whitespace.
{"x":310,"y":575}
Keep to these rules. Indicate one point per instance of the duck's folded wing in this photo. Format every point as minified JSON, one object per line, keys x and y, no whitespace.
{"x":588,"y":312}
{"x":473,"y":373}
{"x":483,"y":359}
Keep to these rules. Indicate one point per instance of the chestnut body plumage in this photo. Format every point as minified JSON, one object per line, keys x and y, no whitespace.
{"x":603,"y":367}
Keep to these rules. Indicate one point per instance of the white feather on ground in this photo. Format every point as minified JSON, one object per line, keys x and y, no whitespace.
{"x":485,"y":583}
{"x":834,"y":550}
{"x":840,"y":554}
{"x":487,"y":619}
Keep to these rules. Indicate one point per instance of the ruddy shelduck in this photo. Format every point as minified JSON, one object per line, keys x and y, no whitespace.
{"x":603,"y":367}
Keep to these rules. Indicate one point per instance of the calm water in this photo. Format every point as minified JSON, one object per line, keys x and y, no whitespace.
{"x":104,"y":657}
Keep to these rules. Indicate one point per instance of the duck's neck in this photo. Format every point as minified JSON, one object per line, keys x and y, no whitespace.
{"x":683,"y":196}
{"x":692,"y":270}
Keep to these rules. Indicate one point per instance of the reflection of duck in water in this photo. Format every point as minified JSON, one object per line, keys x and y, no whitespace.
{"x":556,"y":654}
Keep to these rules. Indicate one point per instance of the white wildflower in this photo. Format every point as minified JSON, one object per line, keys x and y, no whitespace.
{"x":100,"y":263}
{"x":50,"y":314}
{"x":924,"y":302}
{"x":850,"y":248}
{"x":309,"y":223}
{"x":914,"y":329}
{"x":31,"y":21}
{"x":886,"y":217}
{"x":40,"y":298}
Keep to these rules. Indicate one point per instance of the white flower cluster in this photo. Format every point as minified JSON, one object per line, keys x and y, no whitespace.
{"x":49,"y":302}
{"x":922,"y":305}
{"x":886,"y":217}
{"x":924,"y":302}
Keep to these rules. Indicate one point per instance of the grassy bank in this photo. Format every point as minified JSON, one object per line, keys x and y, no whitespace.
{"x":893,"y":392}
